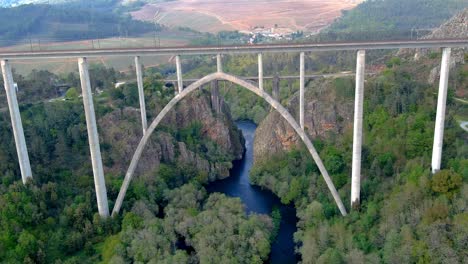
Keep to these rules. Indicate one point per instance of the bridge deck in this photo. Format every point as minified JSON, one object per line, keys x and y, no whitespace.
{"x":211,"y":50}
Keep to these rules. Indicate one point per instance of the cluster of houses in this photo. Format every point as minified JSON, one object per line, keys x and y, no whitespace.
{"x":261,"y":34}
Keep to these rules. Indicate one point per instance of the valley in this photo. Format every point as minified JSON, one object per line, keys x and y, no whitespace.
{"x":281,"y":16}
{"x":224,"y":177}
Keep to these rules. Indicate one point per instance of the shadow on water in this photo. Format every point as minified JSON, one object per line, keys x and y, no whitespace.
{"x":259,"y":201}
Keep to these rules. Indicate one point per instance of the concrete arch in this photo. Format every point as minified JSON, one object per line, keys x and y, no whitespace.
{"x":223,"y":76}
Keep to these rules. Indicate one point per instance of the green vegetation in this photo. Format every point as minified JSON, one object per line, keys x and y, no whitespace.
{"x":71,"y":94}
{"x":215,"y":229}
{"x":276,"y":217}
{"x":407,"y":214}
{"x":243,"y":104}
{"x":392,"y":19}
{"x":67,"y":22}
{"x":54,"y":218}
{"x":41,"y":85}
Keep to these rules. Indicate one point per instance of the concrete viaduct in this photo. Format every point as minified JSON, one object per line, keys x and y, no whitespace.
{"x":256,"y":88}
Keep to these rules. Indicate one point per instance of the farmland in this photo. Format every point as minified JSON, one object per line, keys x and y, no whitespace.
{"x":245,"y":15}
{"x":169,"y":38}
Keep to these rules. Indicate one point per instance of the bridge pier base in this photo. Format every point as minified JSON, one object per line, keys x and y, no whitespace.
{"x":93,"y":138}
{"x":357,"y":134}
{"x":301,"y":90}
{"x":440,"y":117}
{"x":16,"y":124}
{"x":141,"y":94}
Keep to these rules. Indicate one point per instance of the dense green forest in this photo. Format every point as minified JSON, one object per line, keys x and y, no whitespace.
{"x":407,"y":215}
{"x":66,"y":22}
{"x":391,"y":19}
{"x":53,"y":219}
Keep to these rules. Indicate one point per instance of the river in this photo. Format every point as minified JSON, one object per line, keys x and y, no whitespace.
{"x":259,"y":201}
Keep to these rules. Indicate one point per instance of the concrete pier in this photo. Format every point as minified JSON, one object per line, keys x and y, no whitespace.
{"x":180,"y":83}
{"x":216,"y":102}
{"x":219,"y":63}
{"x":141,"y":94}
{"x":260,"y":71}
{"x":301,"y":90}
{"x":357,"y":138}
{"x":96,"y":160}
{"x":16,"y":124}
{"x":275,"y":87}
{"x":440,"y":117}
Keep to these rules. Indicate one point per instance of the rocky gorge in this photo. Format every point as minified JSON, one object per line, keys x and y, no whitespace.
{"x":328,"y":108}
{"x":221,"y":141}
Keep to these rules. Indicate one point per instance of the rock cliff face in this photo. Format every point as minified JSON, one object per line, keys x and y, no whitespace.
{"x":121,"y":131}
{"x":455,"y":28}
{"x":327,"y":111}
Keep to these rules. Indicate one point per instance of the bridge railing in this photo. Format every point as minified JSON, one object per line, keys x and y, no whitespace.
{"x":91,"y":40}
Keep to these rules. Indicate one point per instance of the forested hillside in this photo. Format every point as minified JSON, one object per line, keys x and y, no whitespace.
{"x":408,"y":215}
{"x":66,"y":22}
{"x":392,"y":19}
{"x":54,"y":217}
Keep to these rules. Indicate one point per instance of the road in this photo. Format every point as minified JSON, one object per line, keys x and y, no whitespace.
{"x":239,"y":49}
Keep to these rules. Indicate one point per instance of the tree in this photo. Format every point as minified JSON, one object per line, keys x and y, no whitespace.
{"x":71,"y":94}
{"x":446,"y":182}
{"x":331,"y":256}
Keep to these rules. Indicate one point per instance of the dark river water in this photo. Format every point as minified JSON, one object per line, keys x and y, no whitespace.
{"x":259,"y":201}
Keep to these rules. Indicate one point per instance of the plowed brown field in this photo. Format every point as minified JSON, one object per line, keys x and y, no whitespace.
{"x":245,"y":15}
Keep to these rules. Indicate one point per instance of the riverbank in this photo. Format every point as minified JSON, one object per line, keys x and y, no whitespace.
{"x":259,"y":201}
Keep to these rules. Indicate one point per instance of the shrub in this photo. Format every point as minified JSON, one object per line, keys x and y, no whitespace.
{"x":71,"y":94}
{"x":445,"y":182}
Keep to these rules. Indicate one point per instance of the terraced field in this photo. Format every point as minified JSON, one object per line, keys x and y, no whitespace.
{"x":245,"y":15}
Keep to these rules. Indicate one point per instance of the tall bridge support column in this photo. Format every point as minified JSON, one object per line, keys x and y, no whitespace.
{"x":301,"y":90}
{"x":275,"y":87}
{"x":141,"y":94}
{"x":216,"y":102}
{"x":180,"y":83}
{"x":93,"y":138}
{"x":260,"y":71}
{"x":440,"y":117}
{"x":219,"y":63}
{"x":357,"y":138}
{"x":16,"y":124}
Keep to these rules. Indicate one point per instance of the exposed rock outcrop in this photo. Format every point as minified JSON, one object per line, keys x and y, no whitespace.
{"x":326,"y":113}
{"x":455,"y":28}
{"x":218,"y":127}
{"x":121,"y":131}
